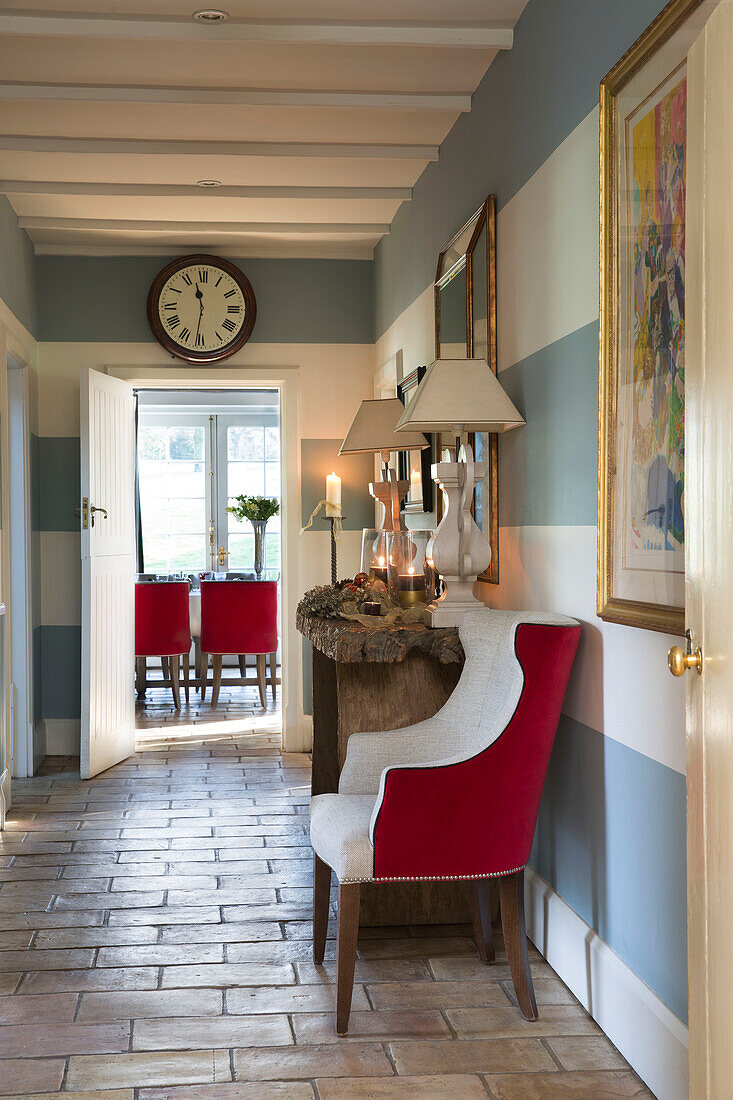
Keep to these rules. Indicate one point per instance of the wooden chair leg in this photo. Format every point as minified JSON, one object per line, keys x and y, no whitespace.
{"x":511,"y":894}
{"x":175,"y":680}
{"x":141,"y":676}
{"x":347,"y":935}
{"x":204,"y":674}
{"x":242,"y":664}
{"x":480,"y":905}
{"x":262,"y":678}
{"x":197,"y":662}
{"x":217,"y":679}
{"x":165,"y":666}
{"x":321,"y":899}
{"x":186,"y":675}
{"x":273,"y":675}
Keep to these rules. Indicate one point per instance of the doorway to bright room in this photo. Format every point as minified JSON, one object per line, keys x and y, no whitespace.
{"x":197,"y":451}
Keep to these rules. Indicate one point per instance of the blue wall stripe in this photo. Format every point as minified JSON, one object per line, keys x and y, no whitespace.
{"x":318,"y":457}
{"x":531,"y":98}
{"x":548,"y":468}
{"x":17,"y":268}
{"x":87,"y":298}
{"x":60,"y":664}
{"x":58,"y":459}
{"x":611,"y":841}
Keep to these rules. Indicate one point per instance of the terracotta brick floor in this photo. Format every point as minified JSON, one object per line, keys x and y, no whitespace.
{"x":155,"y":945}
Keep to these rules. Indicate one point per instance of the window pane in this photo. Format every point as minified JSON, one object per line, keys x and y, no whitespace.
{"x":152,"y":443}
{"x":272,"y":444}
{"x":171,"y":553}
{"x":247,"y":478}
{"x":173,"y":498}
{"x":246,"y":443}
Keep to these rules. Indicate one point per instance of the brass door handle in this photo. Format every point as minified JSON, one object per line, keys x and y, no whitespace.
{"x":681,"y":661}
{"x":222,"y":555}
{"x":93,"y":508}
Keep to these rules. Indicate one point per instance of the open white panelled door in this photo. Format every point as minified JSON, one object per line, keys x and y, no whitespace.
{"x":108,"y":570}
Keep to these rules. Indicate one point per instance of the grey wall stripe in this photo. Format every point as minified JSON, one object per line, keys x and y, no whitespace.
{"x":529,"y":101}
{"x":60,"y":666}
{"x":86,"y":298}
{"x":547,"y":469}
{"x":611,"y":841}
{"x":318,"y":457}
{"x":58,"y":459}
{"x":17,"y":268}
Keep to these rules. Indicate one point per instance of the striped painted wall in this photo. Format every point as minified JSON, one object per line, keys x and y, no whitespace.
{"x":611,"y":834}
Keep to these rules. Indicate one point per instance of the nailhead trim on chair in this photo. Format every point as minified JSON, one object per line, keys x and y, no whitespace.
{"x":436,"y":878}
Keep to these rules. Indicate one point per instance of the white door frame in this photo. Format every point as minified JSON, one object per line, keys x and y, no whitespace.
{"x":297,"y":729}
{"x":21,"y":568}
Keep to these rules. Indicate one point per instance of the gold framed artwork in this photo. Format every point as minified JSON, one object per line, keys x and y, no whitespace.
{"x":643,"y":148}
{"x":465,"y":326}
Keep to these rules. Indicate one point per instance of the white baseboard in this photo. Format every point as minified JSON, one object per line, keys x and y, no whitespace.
{"x":63,"y":736}
{"x":650,"y":1037}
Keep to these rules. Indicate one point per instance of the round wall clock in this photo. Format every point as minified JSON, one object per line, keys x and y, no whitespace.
{"x":201,"y":308}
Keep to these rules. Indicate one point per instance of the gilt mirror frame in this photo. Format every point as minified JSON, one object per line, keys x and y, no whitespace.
{"x":483,"y":219}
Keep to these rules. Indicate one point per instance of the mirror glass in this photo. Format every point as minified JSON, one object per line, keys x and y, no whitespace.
{"x":451,"y":333}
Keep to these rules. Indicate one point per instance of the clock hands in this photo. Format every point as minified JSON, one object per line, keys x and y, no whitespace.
{"x":200,"y":297}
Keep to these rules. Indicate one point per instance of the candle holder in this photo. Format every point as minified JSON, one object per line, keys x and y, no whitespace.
{"x":331,"y":519}
{"x":406,"y":567}
{"x":374,"y":553}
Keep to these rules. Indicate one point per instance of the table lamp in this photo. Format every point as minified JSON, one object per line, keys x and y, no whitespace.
{"x":372,"y":431}
{"x":457,"y":396}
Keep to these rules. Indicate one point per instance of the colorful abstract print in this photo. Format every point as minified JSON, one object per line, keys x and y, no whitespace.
{"x":655,"y":520}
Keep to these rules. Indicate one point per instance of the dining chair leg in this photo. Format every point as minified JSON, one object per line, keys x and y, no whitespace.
{"x":218,"y":659}
{"x":141,"y":675}
{"x":204,"y":674}
{"x":321,"y":900}
{"x":273,"y":675}
{"x":347,"y":934}
{"x":165,"y":667}
{"x":480,"y":905}
{"x":242,"y":664}
{"x":175,"y":680}
{"x":186,"y":675}
{"x":262,"y":678}
{"x":511,"y":894}
{"x":197,"y":662}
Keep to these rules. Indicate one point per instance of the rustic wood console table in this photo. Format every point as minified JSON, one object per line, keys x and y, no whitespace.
{"x":371,"y":678}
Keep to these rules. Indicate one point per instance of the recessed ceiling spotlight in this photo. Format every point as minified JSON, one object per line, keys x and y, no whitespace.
{"x":210,"y":15}
{"x":208,"y":183}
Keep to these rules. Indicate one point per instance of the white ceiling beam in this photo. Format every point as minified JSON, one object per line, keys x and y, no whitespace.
{"x":153,"y":147}
{"x":164,"y":190}
{"x":238,"y":97}
{"x":314,"y":250}
{"x":266,"y":228}
{"x":495,"y":36}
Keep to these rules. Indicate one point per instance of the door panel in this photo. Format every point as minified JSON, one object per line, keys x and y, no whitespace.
{"x":108,"y":569}
{"x":709,"y":577}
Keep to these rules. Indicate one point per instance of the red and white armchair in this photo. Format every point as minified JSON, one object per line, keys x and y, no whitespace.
{"x":453,"y":797}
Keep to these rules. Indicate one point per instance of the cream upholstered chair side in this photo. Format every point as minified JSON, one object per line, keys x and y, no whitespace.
{"x":454,"y":797}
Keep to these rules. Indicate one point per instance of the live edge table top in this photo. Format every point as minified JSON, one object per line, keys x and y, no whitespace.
{"x":350,"y":642}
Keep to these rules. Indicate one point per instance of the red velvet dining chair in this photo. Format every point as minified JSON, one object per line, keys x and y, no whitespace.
{"x":163,"y":629}
{"x":238,"y":617}
{"x":453,"y":797}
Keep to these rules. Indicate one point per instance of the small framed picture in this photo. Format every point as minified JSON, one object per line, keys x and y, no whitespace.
{"x":414,"y":466}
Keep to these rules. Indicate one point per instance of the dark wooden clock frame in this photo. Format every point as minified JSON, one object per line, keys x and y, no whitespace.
{"x":164,"y":338}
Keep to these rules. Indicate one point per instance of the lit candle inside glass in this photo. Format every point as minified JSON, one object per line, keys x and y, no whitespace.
{"x":380,"y":569}
{"x":333,"y":495}
{"x":411,"y":587}
{"x":415,"y":485}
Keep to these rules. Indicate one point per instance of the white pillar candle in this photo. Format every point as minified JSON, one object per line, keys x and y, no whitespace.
{"x":333,"y":493}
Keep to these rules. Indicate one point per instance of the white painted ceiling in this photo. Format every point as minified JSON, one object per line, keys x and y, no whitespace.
{"x":317,"y":118}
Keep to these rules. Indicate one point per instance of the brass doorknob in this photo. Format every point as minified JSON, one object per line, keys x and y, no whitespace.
{"x":680,"y":662}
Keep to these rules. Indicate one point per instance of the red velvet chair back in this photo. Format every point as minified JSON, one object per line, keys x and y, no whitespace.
{"x":477,"y":817}
{"x":238,"y":616}
{"x":162,"y":626}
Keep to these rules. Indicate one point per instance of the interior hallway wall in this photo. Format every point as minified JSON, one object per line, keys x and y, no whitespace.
{"x":316,"y":315}
{"x":611,"y":834}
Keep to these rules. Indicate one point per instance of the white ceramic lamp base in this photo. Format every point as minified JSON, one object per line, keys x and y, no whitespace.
{"x":460,"y":549}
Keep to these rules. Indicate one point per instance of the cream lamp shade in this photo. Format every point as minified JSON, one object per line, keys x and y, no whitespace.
{"x":458,"y":395}
{"x":373,"y":429}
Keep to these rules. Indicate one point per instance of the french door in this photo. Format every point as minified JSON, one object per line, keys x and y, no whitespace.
{"x":191,"y":466}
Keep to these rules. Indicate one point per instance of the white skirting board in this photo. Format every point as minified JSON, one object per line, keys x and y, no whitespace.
{"x":650,"y":1037}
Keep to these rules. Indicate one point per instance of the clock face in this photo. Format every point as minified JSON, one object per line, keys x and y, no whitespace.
{"x":201,"y":308}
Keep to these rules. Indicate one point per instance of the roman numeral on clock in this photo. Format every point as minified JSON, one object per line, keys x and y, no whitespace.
{"x":170,"y":305}
{"x":186,"y":278}
{"x":203,"y":275}
{"x":234,"y":309}
{"x":229,"y":293}
{"x":228,"y":325}
{"x":199,"y":340}
{"x":184,"y":333}
{"x":173,"y":322}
